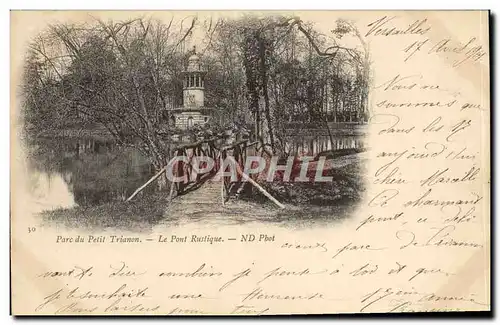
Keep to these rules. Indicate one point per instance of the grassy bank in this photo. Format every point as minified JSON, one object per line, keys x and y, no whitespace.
{"x":138,"y":215}
{"x":346,"y":188}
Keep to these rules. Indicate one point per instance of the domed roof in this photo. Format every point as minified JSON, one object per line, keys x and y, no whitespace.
{"x":194,"y":62}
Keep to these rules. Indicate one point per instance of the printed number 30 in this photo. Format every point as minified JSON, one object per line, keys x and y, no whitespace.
{"x":31,"y":229}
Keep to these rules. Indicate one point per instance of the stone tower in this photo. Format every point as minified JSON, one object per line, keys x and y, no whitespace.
{"x":194,"y":83}
{"x":193,"y":111}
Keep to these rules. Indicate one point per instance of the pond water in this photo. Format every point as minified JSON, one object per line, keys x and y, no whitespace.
{"x":64,"y":173}
{"x":84,"y":172}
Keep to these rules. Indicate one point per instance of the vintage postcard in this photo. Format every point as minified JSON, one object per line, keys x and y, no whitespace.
{"x":249,"y":163}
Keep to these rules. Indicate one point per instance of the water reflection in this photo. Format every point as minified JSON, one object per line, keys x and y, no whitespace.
{"x":92,"y":172}
{"x":50,"y":191}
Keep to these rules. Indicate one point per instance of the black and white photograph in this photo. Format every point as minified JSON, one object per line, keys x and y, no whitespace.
{"x":143,"y":121}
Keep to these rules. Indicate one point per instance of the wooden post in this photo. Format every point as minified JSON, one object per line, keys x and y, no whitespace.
{"x":180,"y":171}
{"x":222,"y":178}
{"x":260,"y":188}
{"x":146,"y":184}
{"x":245,"y":153}
{"x":172,"y":186}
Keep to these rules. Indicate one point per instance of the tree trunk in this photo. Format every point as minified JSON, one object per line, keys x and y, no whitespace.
{"x":265,"y":94}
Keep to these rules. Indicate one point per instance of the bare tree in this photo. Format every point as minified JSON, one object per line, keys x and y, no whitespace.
{"x":117,"y":75}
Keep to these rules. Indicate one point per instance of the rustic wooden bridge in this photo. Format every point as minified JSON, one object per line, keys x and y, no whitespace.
{"x":210,"y":189}
{"x":206,"y":183}
{"x":215,"y":188}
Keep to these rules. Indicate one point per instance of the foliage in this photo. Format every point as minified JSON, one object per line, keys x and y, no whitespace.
{"x":291,"y":73}
{"x":119,"y":76}
{"x":263,"y":72}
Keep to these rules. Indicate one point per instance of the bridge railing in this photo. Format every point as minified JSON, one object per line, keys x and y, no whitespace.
{"x":238,"y":153}
{"x":197,"y":152}
{"x":193,"y":151}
